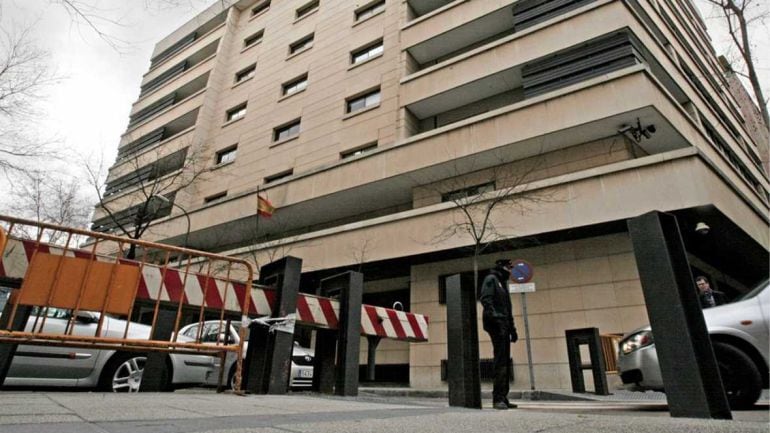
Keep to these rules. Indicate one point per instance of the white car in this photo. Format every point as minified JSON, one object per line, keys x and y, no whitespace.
{"x":740,"y":337}
{"x":213,"y":331}
{"x":107,"y":370}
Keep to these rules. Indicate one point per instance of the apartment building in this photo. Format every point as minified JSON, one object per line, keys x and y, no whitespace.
{"x":366,"y":124}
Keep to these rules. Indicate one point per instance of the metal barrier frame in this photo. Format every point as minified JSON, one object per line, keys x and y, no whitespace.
{"x":62,"y":257}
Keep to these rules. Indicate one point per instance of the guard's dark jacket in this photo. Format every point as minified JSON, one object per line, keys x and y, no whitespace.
{"x":498,"y":313}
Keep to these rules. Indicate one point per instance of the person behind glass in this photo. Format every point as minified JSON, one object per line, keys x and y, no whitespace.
{"x":707,"y":296}
{"x":497,"y":319}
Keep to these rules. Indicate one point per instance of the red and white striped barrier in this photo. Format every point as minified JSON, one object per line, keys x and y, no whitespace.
{"x":171,"y":284}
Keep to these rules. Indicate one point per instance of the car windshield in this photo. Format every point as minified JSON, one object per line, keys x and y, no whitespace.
{"x":753,"y":292}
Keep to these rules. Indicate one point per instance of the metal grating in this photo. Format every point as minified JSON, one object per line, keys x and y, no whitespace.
{"x":170,"y":51}
{"x":152,"y":109}
{"x":157,"y":169}
{"x":580,"y":63}
{"x":527,"y":13}
{"x":164,"y":77}
{"x":142,"y":213}
{"x":142,"y":142}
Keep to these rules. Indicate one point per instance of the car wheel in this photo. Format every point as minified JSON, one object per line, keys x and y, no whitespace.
{"x":740,"y":377}
{"x":123,"y":373}
{"x":231,"y":377}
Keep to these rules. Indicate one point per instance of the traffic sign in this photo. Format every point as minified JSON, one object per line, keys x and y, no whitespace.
{"x":521,"y":271}
{"x":521,"y":288}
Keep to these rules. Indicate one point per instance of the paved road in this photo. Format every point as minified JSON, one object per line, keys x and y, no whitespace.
{"x":204,"y":411}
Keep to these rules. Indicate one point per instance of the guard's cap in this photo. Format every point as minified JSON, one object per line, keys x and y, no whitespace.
{"x":503,"y":263}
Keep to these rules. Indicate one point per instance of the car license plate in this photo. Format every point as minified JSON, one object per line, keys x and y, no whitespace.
{"x":306,"y":373}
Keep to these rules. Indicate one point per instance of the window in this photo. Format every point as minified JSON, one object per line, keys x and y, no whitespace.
{"x":366,"y":53}
{"x":360,"y":102}
{"x":370,"y":10}
{"x":295,"y":85}
{"x":215,"y":197}
{"x":307,"y":9}
{"x":287,"y":131}
{"x":358,"y":151}
{"x":227,"y":155}
{"x":468,"y":192}
{"x":253,"y":39}
{"x":236,"y":113}
{"x":278,"y":176}
{"x":262,"y":7}
{"x":246,"y":73}
{"x":302,"y":44}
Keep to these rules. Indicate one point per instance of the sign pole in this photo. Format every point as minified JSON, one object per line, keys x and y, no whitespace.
{"x":526,"y":337}
{"x":521,"y":274}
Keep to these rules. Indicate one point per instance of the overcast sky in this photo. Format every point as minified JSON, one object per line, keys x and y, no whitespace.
{"x":89,"y":109}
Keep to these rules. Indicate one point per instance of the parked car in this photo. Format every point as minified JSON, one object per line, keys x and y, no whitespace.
{"x":107,"y":370}
{"x":213,"y":330}
{"x":740,"y":338}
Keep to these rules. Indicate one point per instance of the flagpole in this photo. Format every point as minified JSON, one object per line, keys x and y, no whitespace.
{"x":256,"y":232}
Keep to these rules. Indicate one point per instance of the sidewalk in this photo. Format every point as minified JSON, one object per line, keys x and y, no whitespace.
{"x":203,"y":411}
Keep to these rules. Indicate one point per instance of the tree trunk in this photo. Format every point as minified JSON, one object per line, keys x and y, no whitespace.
{"x":751,"y":69}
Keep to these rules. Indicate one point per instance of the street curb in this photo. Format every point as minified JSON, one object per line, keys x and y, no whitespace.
{"x":439,"y":393}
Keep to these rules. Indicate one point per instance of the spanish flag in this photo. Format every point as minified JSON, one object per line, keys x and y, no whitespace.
{"x":264,"y":207}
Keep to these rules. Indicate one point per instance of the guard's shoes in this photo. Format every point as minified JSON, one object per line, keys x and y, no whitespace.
{"x":501,"y":405}
{"x":510,"y":405}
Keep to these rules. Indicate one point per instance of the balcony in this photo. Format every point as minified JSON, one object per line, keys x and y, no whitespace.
{"x":440,"y":38}
{"x":167,"y":102}
{"x":199,"y":56}
{"x":418,"y":8}
{"x":156,"y":136}
{"x":515,"y":84}
{"x":187,"y":40}
{"x":147,"y":173}
{"x":144,"y":211}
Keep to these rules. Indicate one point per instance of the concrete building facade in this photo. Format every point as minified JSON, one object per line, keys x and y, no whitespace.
{"x":373,"y":127}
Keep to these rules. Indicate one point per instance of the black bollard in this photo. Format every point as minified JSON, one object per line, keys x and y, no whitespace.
{"x":347,"y":288}
{"x":690,"y":373}
{"x":268,"y":357}
{"x":463,"y":375}
{"x":155,"y":377}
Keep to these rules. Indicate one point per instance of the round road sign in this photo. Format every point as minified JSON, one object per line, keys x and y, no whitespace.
{"x":521,"y":271}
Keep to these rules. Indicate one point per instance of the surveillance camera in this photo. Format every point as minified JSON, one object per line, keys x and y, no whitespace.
{"x":648,"y":131}
{"x":702,"y":228}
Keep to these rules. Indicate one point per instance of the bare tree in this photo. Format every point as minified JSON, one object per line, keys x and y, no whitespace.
{"x":359,"y":253}
{"x":479,"y":196}
{"x":741,"y":17}
{"x":51,"y":199}
{"x":100,"y":21}
{"x":24,"y":74}
{"x":131,"y":202}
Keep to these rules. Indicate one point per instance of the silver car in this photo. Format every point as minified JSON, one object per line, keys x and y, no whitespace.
{"x":740,"y":337}
{"x":107,"y":370}
{"x":213,"y":331}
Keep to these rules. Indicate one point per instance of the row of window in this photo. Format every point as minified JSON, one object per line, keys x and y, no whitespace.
{"x":306,"y":42}
{"x":368,"y":99}
{"x":368,"y":10}
{"x":369,"y":51}
{"x":228,"y":155}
